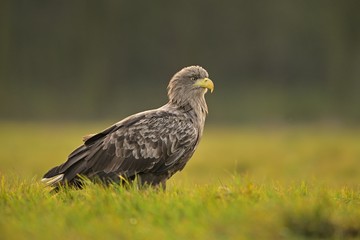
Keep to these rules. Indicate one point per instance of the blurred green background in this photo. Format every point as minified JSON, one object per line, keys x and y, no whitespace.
{"x":271,"y":61}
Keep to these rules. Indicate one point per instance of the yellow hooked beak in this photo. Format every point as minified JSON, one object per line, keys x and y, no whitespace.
{"x":205,"y":83}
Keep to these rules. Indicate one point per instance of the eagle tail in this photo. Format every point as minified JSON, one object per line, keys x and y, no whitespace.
{"x":51,"y":181}
{"x":67,"y":171}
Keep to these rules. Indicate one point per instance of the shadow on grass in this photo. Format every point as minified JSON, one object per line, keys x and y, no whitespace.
{"x":318,"y":222}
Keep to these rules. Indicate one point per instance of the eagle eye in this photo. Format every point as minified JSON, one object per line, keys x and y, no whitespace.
{"x":194,"y":77}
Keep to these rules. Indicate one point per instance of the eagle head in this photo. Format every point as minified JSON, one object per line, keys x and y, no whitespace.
{"x":189,"y":84}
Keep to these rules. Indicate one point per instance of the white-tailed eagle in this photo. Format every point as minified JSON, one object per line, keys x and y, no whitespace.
{"x":149,"y":146}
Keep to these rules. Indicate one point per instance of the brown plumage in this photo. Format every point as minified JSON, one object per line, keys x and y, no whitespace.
{"x":151,"y":145}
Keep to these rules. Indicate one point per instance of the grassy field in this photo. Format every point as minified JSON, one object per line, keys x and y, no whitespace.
{"x":242,"y":183}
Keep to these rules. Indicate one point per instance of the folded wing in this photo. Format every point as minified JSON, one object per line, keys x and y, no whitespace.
{"x":157,"y":142}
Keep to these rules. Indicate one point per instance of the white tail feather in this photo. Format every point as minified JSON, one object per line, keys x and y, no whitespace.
{"x":53,"y":180}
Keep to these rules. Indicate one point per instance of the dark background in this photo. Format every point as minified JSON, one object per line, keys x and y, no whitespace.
{"x":271,"y":61}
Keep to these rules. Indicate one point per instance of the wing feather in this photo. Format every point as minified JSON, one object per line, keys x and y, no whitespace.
{"x":155,"y":141}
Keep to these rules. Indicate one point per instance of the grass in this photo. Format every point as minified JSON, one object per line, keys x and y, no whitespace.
{"x":243,"y":183}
